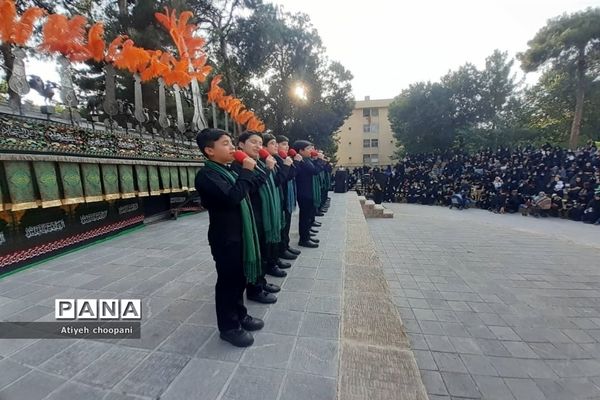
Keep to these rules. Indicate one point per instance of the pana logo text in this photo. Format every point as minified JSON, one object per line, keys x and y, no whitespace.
{"x":96,"y":309}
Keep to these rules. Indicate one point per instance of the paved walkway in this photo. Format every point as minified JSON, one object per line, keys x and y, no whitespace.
{"x":180,"y":356}
{"x":496,"y":306}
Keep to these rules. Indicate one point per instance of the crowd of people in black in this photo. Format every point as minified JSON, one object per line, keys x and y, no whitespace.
{"x":546,"y":181}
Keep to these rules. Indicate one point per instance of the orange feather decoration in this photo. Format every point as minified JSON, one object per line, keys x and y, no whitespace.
{"x":13,"y":30}
{"x":24,"y":28}
{"x":95,"y":43}
{"x":8,"y":15}
{"x":66,"y":36}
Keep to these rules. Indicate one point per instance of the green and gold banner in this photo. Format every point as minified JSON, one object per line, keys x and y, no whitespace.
{"x":110,"y":179}
{"x":183,"y":177}
{"x":45,"y":174}
{"x":175,"y":179}
{"x":192,"y":177}
{"x":92,"y":182}
{"x":141,"y":174}
{"x":20,"y":184}
{"x":165,"y":178}
{"x":71,"y":182}
{"x":154,"y":180}
{"x":126,"y":181}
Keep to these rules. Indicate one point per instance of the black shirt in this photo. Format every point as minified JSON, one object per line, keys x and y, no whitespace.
{"x":222,"y":200}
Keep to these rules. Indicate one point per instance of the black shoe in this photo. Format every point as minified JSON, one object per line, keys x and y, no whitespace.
{"x":294,"y":251}
{"x":314,"y":231}
{"x":275,"y":271}
{"x":288,"y":255}
{"x":319,"y":214}
{"x":316,"y":224}
{"x":283,"y":264}
{"x":237,"y":337}
{"x":314,"y":240}
{"x":262,"y":297}
{"x":252,"y":324}
{"x":309,"y":244}
{"x":271,"y":288}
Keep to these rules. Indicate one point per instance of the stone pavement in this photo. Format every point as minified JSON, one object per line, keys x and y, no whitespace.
{"x":496,"y":306}
{"x":168,"y":265}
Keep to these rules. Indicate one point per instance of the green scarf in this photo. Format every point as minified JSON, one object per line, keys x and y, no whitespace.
{"x":316,"y":186}
{"x":251,"y":247}
{"x":270,"y":202}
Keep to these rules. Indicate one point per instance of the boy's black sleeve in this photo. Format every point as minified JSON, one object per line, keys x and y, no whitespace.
{"x":220,"y":189}
{"x":282,"y":175}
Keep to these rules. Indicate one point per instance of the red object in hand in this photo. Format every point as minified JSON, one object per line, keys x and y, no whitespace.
{"x":314,"y":153}
{"x":292,"y":153}
{"x":282,"y":154}
{"x":239,"y":156}
{"x":263,"y":153}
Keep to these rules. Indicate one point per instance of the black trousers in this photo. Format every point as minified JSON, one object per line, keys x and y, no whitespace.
{"x":324,"y":193}
{"x":306,"y":218}
{"x":231,"y":282}
{"x":285,"y":233}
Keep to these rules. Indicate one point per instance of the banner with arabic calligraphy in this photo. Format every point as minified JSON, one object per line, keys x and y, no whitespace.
{"x":92,"y":182}
{"x":183,"y":177}
{"x":71,"y":183}
{"x":47,"y":182}
{"x":165,"y":178}
{"x":19,"y":179}
{"x":126,"y":181}
{"x":154,"y":180}
{"x":175,"y":179}
{"x":141,"y":175}
{"x":110,"y":181}
{"x":192,"y":171}
{"x":30,"y":235}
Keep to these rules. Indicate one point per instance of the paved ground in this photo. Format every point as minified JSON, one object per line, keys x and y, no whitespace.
{"x":180,"y":356}
{"x":496,"y":306}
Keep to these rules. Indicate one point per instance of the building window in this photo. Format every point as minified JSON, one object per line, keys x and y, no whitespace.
{"x":374,"y":142}
{"x":374,"y":158}
{"x":370,"y":112}
{"x":366,"y":143}
{"x":371,"y":128}
{"x":366,"y":158}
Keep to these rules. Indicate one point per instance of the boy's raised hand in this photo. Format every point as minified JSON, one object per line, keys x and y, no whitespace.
{"x":249,"y":163}
{"x":270,"y":161}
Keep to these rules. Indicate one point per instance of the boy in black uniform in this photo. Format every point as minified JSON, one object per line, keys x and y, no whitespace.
{"x":306,"y":172}
{"x":261,"y":291}
{"x":231,"y":234}
{"x":288,"y":198}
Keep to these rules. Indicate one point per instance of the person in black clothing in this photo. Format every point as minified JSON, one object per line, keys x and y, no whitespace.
{"x":281,"y":176}
{"x":288,"y":199}
{"x":306,"y":171}
{"x":224,"y":194}
{"x":261,"y":291}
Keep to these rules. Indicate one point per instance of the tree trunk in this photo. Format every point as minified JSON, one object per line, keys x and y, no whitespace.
{"x":9,"y":59}
{"x":579,"y":97}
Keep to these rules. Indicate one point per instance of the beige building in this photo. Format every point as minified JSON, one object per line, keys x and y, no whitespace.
{"x":366,"y":136}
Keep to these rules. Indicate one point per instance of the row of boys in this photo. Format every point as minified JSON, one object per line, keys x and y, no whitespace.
{"x":250,"y":195}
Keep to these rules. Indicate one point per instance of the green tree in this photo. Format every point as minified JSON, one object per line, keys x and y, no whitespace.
{"x":422,"y":117}
{"x":569,"y":39}
{"x":273,"y":52}
{"x":549,"y":105}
